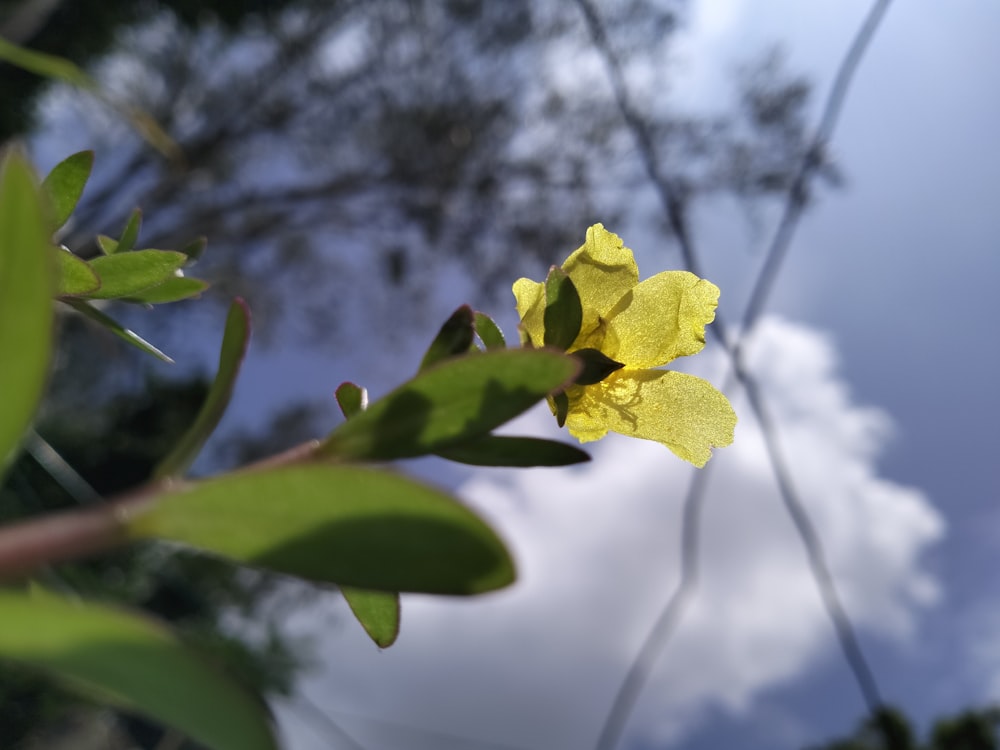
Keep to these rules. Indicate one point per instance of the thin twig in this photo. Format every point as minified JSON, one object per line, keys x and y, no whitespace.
{"x":665,"y":625}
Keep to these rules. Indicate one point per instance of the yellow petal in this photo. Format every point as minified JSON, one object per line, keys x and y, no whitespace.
{"x":603,"y":271}
{"x":662,"y":318}
{"x":685,"y":413}
{"x":530,"y":296}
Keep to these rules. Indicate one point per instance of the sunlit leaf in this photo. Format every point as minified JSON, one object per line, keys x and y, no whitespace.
{"x":455,"y":337}
{"x":235,"y":341}
{"x":131,"y":232}
{"x":134,"y":663}
{"x":174,"y":289}
{"x":377,"y":611}
{"x":126,"y":274}
{"x":459,"y":399}
{"x":489,"y":332}
{"x":89,"y":311}
{"x":26,"y":285}
{"x":74,"y":275}
{"x":503,"y":450}
{"x":349,"y":525}
{"x":65,"y":183}
{"x":352,"y":399}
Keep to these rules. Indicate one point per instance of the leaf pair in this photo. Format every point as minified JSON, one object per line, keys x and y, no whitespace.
{"x":122,"y":273}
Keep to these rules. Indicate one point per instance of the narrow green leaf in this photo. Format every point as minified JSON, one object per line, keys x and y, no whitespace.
{"x":235,"y":341}
{"x":46,"y":65}
{"x":26,"y":284}
{"x":126,"y":274}
{"x":65,"y":183}
{"x":194,"y":250}
{"x":174,"y":289}
{"x":459,"y":399}
{"x":489,"y":332}
{"x":501,"y":450}
{"x":108,"y":245}
{"x":377,"y":611}
{"x":74,"y":275}
{"x":89,"y":311}
{"x":352,"y":399}
{"x":135,"y":664}
{"x":349,"y":525}
{"x":131,"y":232}
{"x":563,"y":311}
{"x":455,"y":337}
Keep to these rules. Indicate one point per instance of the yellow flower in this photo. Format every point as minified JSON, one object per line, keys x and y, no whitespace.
{"x":641,"y":325}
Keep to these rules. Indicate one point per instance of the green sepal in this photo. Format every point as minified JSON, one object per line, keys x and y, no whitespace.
{"x":454,"y":338}
{"x":522,"y":452}
{"x":596,"y":366}
{"x":489,"y":332}
{"x":235,"y":341}
{"x":563,"y":311}
{"x":377,"y":611}
{"x":352,"y":399}
{"x":560,"y":406}
{"x":459,"y":399}
{"x":65,"y":183}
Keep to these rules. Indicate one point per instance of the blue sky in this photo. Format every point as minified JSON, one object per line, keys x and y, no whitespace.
{"x":879,"y":358}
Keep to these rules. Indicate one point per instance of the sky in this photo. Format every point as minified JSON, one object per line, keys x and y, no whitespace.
{"x":878,"y":358}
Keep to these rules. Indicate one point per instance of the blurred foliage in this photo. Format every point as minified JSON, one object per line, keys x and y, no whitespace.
{"x":115,"y":448}
{"x":889,"y":729}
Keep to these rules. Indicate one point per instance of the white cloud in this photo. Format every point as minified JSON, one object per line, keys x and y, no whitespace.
{"x":536,"y":666}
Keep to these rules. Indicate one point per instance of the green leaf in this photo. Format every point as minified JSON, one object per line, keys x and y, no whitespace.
{"x":377,"y":611}
{"x":174,"y":289}
{"x":131,"y":232}
{"x":65,"y":183}
{"x":352,"y":399}
{"x":26,"y":282}
{"x":194,"y":250}
{"x":501,"y":450}
{"x":126,"y":274}
{"x":134,"y":663}
{"x":349,"y":525}
{"x":455,"y":337}
{"x":459,"y":399}
{"x":235,"y":341}
{"x":489,"y":332}
{"x":563,"y":311}
{"x":89,"y":311}
{"x":75,"y":276}
{"x":108,"y":245}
